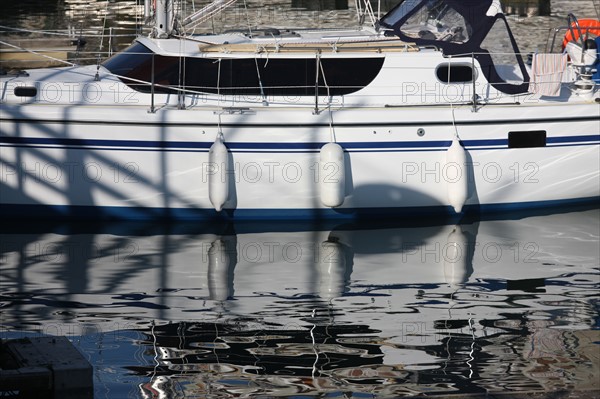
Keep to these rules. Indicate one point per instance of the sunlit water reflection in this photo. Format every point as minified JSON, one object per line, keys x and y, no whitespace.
{"x":94,"y":18}
{"x":251,"y":310}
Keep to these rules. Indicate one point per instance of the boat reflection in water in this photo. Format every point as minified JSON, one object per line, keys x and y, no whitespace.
{"x":481,"y":306}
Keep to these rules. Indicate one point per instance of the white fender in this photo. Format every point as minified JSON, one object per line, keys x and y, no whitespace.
{"x":220,"y":285}
{"x":218,"y":180}
{"x":332,"y":270}
{"x":332,"y":179}
{"x":456,"y":176}
{"x":456,"y":258}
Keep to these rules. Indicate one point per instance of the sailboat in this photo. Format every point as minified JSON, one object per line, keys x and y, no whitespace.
{"x":429,"y":110}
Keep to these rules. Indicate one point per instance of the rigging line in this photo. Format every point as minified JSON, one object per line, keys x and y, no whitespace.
{"x":142,"y":23}
{"x":262,"y":91}
{"x":193,"y":12}
{"x":317,"y":71}
{"x":219,"y":78}
{"x":247,"y":18}
{"x":260,"y":85}
{"x":36,"y":53}
{"x":108,"y":73}
{"x":358,"y":6}
{"x":331,"y":129}
{"x":68,"y":33}
{"x":45,"y":32}
{"x":182,"y":80}
{"x":325,"y":80}
{"x":103,"y":30}
{"x":452,"y":103}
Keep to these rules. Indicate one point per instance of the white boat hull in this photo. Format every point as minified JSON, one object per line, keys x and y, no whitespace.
{"x":125,"y":162}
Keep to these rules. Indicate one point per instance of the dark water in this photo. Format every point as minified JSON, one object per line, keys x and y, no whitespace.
{"x":295,"y":311}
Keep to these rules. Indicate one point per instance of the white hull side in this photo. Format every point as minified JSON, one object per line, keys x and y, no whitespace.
{"x":126,"y":158}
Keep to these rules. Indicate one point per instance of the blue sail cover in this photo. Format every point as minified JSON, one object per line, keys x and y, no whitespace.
{"x":464,"y":28}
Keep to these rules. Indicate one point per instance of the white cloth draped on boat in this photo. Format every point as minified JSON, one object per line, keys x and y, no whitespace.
{"x":546,"y":74}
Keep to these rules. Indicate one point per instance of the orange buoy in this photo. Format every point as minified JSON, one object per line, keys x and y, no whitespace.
{"x":592,"y":26}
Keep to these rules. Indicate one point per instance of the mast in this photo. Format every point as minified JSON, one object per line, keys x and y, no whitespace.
{"x":162,"y":12}
{"x":164,"y":16}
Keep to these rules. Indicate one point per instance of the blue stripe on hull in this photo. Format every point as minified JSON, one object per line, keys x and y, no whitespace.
{"x":66,"y":212}
{"x":191,"y":146}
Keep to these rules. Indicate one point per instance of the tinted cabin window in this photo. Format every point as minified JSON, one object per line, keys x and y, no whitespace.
{"x":279,"y":77}
{"x":458,"y":73}
{"x":136,"y":63}
{"x":130,"y":62}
